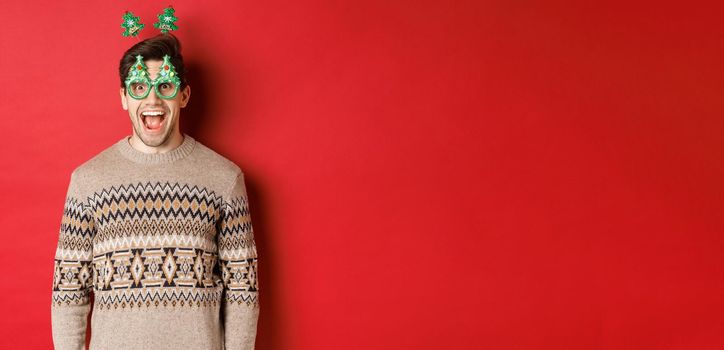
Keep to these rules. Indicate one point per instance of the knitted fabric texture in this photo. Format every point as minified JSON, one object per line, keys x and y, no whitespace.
{"x":159,"y":249}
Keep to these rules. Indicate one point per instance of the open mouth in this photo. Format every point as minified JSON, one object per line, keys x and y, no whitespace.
{"x":153,"y":120}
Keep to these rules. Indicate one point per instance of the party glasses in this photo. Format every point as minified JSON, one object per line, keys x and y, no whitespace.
{"x":139,"y":83}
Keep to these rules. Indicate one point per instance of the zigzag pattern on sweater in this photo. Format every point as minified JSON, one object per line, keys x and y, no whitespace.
{"x":71,"y":298}
{"x":236,"y":235}
{"x":130,"y":238}
{"x":154,"y":200}
{"x":158,"y":297}
{"x":77,"y":229}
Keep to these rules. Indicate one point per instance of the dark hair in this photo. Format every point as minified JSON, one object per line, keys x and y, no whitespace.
{"x":154,"y":49}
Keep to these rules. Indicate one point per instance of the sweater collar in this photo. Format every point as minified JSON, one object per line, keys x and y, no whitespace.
{"x":184,"y":149}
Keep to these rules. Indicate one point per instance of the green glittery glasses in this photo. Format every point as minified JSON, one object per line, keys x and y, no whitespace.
{"x":139,"y":83}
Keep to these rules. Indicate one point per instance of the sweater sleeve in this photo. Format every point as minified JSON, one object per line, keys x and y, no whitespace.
{"x":73,"y":273}
{"x":238,"y":264}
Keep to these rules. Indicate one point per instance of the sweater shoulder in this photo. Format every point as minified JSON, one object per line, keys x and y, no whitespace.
{"x":84,"y":174}
{"x":219,"y":167}
{"x":97,"y":162}
{"x":213,"y":160}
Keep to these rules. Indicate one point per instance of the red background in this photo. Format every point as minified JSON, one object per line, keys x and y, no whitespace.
{"x":423,"y":174}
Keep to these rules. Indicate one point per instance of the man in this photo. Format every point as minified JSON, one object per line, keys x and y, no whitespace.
{"x":157,"y":228}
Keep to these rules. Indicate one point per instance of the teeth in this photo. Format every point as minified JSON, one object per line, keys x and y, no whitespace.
{"x":152,"y":113}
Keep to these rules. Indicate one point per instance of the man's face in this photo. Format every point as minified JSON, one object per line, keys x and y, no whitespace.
{"x":155,"y":130}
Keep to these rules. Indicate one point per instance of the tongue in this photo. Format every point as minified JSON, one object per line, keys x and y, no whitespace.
{"x":153,"y":122}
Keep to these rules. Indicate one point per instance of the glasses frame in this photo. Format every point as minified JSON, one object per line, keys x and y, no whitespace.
{"x":138,"y":73}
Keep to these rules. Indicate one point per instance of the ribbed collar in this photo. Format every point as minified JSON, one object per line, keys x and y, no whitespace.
{"x":184,"y":149}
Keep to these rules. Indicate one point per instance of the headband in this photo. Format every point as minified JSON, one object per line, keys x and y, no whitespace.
{"x":139,"y":82}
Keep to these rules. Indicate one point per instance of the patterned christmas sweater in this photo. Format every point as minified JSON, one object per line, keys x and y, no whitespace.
{"x":159,"y":250}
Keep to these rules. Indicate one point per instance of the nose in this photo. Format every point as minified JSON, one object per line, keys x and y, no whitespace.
{"x":152,"y":100}
{"x":152,"y":97}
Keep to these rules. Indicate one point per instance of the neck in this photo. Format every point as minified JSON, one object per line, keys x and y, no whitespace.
{"x":181,"y":151}
{"x":174,"y":140}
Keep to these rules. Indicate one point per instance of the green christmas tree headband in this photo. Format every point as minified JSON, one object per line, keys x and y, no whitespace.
{"x":138,"y":81}
{"x":132,"y":24}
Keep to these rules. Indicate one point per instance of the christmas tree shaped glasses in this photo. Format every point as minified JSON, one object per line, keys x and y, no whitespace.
{"x":139,"y":82}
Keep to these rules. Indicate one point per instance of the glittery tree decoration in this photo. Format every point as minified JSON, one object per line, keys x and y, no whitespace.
{"x":132,"y":24}
{"x":138,"y":73}
{"x":167,"y":74}
{"x":166,"y":20}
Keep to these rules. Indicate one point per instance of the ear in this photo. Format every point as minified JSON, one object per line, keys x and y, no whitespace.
{"x":124,"y":101}
{"x":185,"y":96}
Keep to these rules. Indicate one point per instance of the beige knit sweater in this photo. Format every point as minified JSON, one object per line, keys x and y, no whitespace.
{"x":165,"y":244}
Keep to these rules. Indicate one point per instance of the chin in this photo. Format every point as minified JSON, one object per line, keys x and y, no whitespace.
{"x":152,"y":139}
